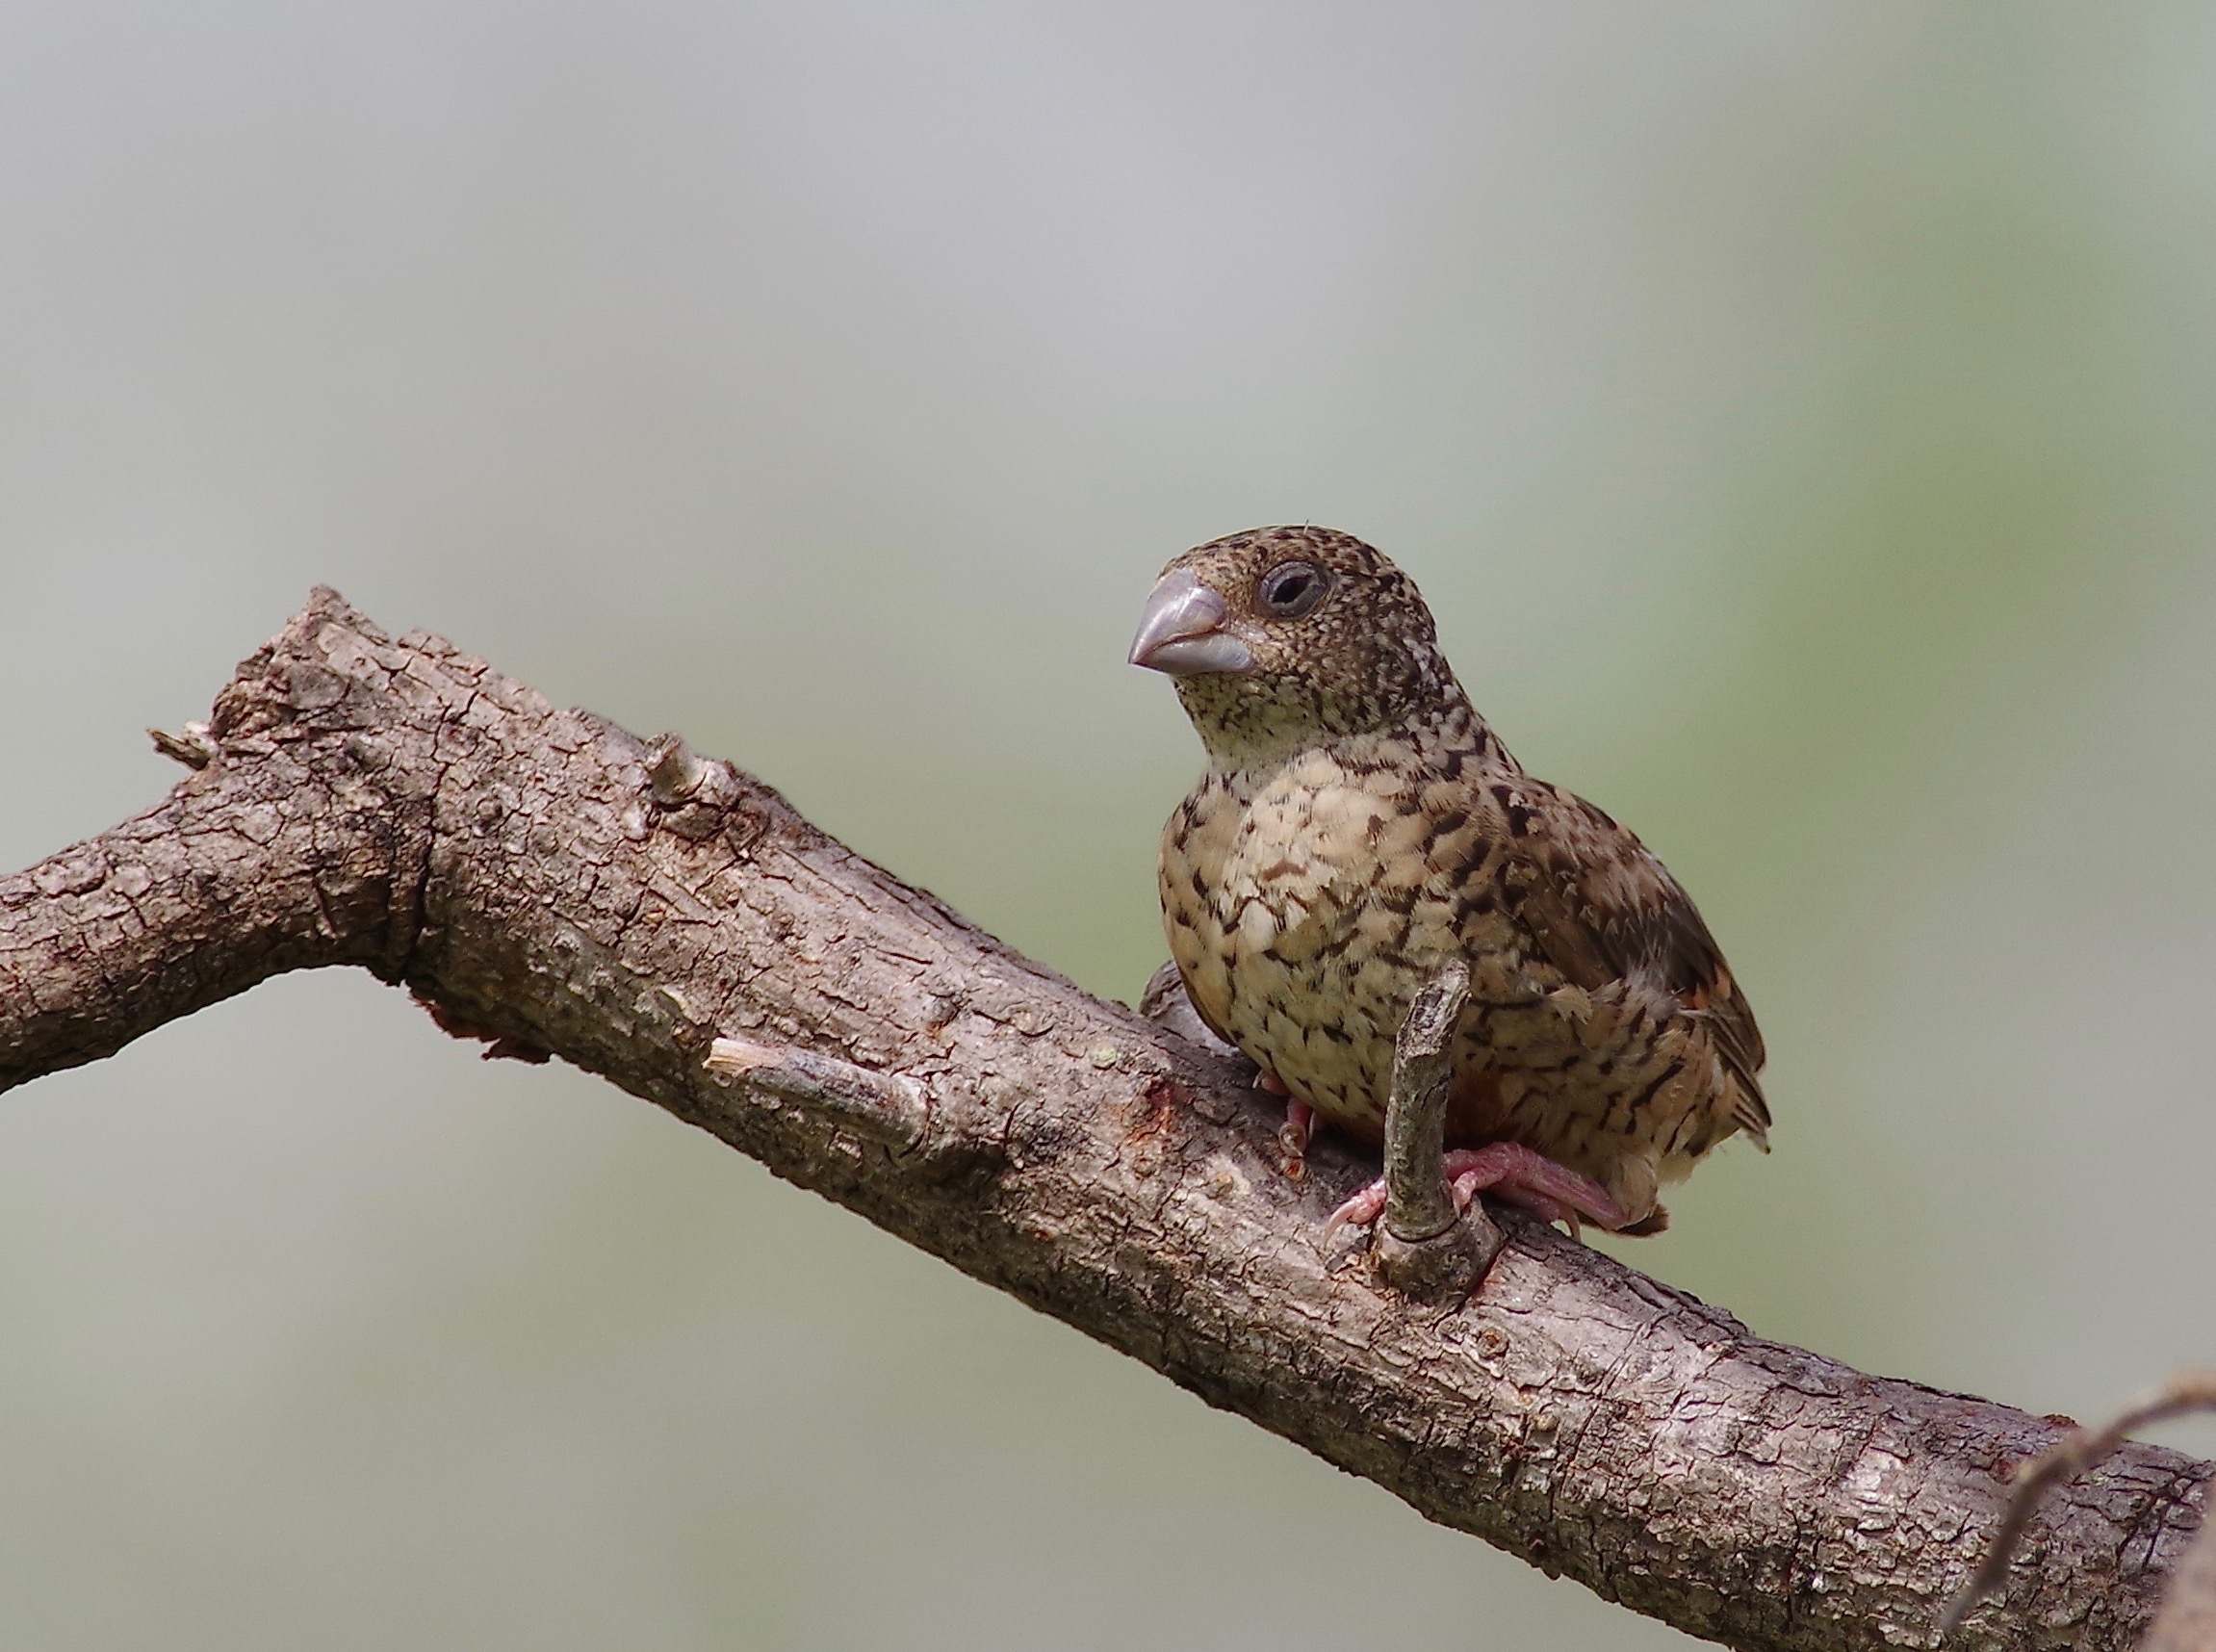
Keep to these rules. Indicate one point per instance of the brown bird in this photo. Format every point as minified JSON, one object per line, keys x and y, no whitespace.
{"x":1359,"y":827}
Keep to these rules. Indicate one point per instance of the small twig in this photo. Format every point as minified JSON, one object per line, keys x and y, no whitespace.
{"x":887,"y":1107}
{"x":1418,"y":1205}
{"x":194,"y":748}
{"x":1422,"y":1248}
{"x":2188,"y":1391}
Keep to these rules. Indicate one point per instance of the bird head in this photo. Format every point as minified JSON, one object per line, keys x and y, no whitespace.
{"x":1283,"y":639}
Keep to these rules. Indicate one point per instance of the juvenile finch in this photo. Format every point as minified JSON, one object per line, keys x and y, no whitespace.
{"x":1358,"y":827}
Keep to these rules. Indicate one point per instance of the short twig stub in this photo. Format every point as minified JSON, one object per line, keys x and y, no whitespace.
{"x":194,"y":748}
{"x":1422,"y":1248}
{"x":887,"y":1107}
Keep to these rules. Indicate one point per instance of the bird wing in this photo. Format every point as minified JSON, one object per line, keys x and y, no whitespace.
{"x":1603,"y":909}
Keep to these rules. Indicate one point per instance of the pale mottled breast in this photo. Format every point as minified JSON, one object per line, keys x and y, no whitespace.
{"x":1306,"y":905}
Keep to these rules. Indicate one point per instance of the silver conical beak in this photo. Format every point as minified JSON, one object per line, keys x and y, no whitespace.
{"x":1182,"y":634}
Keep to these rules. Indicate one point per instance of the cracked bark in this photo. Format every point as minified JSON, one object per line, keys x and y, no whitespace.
{"x":543,"y":878}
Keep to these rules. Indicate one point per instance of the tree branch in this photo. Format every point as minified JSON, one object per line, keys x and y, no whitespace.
{"x":545,"y":879}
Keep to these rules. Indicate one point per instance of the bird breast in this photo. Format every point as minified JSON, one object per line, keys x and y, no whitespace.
{"x":1302,"y":910}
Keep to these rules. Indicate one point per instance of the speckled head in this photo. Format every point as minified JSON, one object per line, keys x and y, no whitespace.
{"x":1282,"y":638}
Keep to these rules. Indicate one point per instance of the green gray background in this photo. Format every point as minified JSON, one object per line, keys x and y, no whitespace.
{"x":1799,"y":416}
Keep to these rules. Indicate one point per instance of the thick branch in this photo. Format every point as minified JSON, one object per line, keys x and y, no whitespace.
{"x":550,"y":880}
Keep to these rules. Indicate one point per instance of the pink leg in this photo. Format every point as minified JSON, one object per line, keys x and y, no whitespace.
{"x":1525,"y":1178}
{"x":1550,"y":1192}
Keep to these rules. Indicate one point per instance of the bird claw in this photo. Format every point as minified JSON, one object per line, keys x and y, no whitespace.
{"x":1292,"y":1138}
{"x":1360,"y":1211}
{"x":1296,"y":1131}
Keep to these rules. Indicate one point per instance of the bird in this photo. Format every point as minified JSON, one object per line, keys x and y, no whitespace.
{"x":1359,"y":827}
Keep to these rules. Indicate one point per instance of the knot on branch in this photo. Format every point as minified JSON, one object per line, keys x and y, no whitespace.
{"x":887,"y":1107}
{"x":699,"y":796}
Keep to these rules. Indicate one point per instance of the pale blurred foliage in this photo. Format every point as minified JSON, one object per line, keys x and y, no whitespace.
{"x":1799,"y":416}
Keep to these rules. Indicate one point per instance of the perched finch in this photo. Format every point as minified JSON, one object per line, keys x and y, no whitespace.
{"x":1359,"y":827}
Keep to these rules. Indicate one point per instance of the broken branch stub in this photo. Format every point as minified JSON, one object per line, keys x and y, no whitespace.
{"x":1423,"y":1245}
{"x":1418,"y":1204}
{"x":887,"y":1107}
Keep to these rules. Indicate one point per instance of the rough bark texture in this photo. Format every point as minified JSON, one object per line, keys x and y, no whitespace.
{"x":545,"y":878}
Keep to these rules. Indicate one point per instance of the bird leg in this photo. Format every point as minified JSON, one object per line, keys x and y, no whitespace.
{"x":1292,"y":1138}
{"x":1510,"y":1171}
{"x":1549,"y":1191}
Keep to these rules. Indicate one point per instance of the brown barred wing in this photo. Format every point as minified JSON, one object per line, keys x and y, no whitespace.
{"x":1601,"y":908}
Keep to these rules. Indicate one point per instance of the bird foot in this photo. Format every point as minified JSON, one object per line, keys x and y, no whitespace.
{"x":1512,"y":1172}
{"x":1294,"y":1136}
{"x":1296,"y":1131}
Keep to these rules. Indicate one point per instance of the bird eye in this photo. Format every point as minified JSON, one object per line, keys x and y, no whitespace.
{"x":1291,"y":590}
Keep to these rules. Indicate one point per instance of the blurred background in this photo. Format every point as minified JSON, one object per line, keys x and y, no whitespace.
{"x":1799,"y":415}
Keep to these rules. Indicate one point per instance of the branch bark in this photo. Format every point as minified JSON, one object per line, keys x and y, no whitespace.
{"x":547,"y":879}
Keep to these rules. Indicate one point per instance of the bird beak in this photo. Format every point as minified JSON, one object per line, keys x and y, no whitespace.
{"x":1182,"y":634}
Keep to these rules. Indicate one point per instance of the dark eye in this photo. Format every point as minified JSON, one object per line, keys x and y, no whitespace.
{"x":1291,"y":590}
